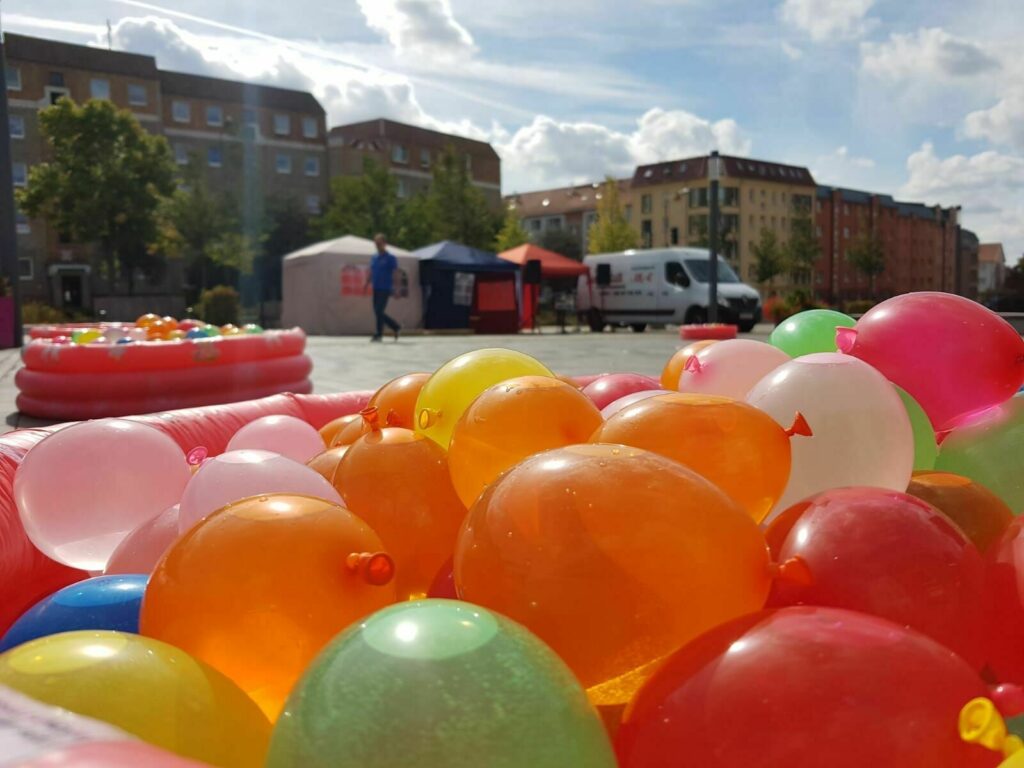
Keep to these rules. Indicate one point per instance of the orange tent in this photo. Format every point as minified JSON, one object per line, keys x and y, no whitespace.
{"x":552,"y":265}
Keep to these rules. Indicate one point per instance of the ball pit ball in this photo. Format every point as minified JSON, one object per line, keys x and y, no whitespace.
{"x":147,"y":320}
{"x":150,"y":689}
{"x":251,"y":328}
{"x":613,"y":556}
{"x":439,"y":683}
{"x":230,"y":330}
{"x":286,"y":435}
{"x":257,"y":589}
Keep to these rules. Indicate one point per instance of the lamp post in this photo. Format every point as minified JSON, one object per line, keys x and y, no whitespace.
{"x":9,"y":265}
{"x":714,"y":173}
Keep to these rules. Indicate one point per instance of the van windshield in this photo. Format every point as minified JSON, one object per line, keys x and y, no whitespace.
{"x":701,"y":270}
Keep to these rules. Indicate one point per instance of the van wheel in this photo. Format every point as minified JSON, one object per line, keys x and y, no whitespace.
{"x":638,"y":327}
{"x":595,"y":321}
{"x":746,"y":327}
{"x":696,"y":316}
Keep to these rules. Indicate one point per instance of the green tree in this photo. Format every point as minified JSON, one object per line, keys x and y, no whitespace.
{"x":611,"y":232}
{"x":802,"y":251}
{"x":415,"y":222}
{"x":867,"y":255}
{"x":512,"y":233}
{"x":457,"y":209}
{"x":562,"y":241}
{"x":769,"y":260}
{"x":104,"y":183}
{"x":286,"y":228}
{"x":361,"y":205}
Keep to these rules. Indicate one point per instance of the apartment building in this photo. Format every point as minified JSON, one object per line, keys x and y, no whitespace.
{"x":573,"y":209}
{"x":409,"y":153}
{"x":991,"y":267}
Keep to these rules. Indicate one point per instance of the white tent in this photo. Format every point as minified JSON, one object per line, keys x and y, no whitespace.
{"x":323,"y":288}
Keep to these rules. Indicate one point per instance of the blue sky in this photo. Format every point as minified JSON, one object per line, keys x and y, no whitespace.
{"x":924,"y":100}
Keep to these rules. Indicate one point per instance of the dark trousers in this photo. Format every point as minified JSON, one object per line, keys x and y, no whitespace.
{"x":380,"y":303}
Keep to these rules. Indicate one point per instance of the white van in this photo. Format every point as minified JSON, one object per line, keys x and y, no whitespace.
{"x":663,"y":285}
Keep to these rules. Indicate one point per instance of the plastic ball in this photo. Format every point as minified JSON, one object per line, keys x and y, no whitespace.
{"x":608,"y":388}
{"x":257,"y":589}
{"x":211,"y":330}
{"x":170,"y":322}
{"x":397,"y":481}
{"x":189,"y":324}
{"x":102,"y":602}
{"x":514,"y":420}
{"x":175,"y":335}
{"x":805,"y":687}
{"x":83,"y":488}
{"x":331,"y":429}
{"x":286,"y":435}
{"x":740,"y":449}
{"x":987,"y":449}
{"x":147,"y":320}
{"x":613,"y":556}
{"x":926,"y":449}
{"x":980,"y":514}
{"x":439,"y":683}
{"x":730,"y":368}
{"x":617,"y":405}
{"x":230,"y":330}
{"x":195,"y":333}
{"x":952,"y":355}
{"x":125,"y":340}
{"x":456,"y":384}
{"x":890,"y":555}
{"x":142,"y":548}
{"x":326,"y":464}
{"x":862,"y":435}
{"x":674,"y":367}
{"x":810,"y":331}
{"x":86,"y":337}
{"x":145,"y":687}
{"x":236,"y":475}
{"x":252,"y":328}
{"x":396,"y":400}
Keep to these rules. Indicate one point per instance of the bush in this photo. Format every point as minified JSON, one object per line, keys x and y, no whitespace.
{"x":857,"y":306}
{"x":780,"y":309}
{"x":38,"y":313}
{"x":219,"y":305}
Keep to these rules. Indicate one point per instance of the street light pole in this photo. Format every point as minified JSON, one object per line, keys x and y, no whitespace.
{"x":714,"y":172}
{"x":9,"y":265}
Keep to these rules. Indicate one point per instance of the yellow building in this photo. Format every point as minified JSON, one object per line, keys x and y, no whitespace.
{"x":667,"y":203}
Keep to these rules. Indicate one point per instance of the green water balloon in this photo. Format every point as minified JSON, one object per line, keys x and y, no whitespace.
{"x":438,"y":683}
{"x":926,"y":449}
{"x":810,"y":331}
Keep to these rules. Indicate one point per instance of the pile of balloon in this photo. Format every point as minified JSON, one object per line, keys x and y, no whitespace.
{"x":799,"y":553}
{"x":151,"y":327}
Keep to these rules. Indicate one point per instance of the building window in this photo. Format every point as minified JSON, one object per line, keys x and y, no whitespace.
{"x":214,"y":115}
{"x":751,"y":221}
{"x":16,"y":124}
{"x":783,"y":222}
{"x":26,"y":268}
{"x":312,"y":166}
{"x":534,"y":224}
{"x":56,"y":79}
{"x":424,"y":158}
{"x":645,"y":204}
{"x":469,"y":163}
{"x":20,"y":173}
{"x":846,"y":210}
{"x":181,"y":111}
{"x":751,"y":196}
{"x":137,"y":96}
{"x":674,"y":236}
{"x":313,"y":203}
{"x":729,"y":196}
{"x":646,"y":233}
{"x":399,"y":154}
{"x":248,"y":116}
{"x":309,"y":127}
{"x":21,"y":224}
{"x":697,"y":225}
{"x":817,"y":231}
{"x":282,"y":125}
{"x":783,"y":198}
{"x":763,"y":195}
{"x":846,"y":233}
{"x":99,"y":88}
{"x":773,"y":222}
{"x":180,"y":154}
{"x":699,"y":197}
{"x":283,"y":163}
{"x":13,"y":77}
{"x":627,"y":211}
{"x":400,"y":188}
{"x":213,"y":157}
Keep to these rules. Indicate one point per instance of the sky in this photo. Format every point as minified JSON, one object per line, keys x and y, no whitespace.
{"x":922,"y":99}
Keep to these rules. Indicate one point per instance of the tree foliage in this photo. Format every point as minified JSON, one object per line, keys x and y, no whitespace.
{"x":562,"y":241}
{"x":769,"y":259}
{"x":362,"y":205}
{"x":512,"y":233}
{"x":611,"y":232}
{"x":286,"y":228}
{"x":104,"y":182}
{"x":458,"y":209}
{"x":802,"y":251}
{"x":867,"y":255}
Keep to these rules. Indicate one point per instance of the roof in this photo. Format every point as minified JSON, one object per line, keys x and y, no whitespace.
{"x":58,"y":54}
{"x":561,"y":200}
{"x":991,"y":253}
{"x":551,"y":264}
{"x":349,"y":245}
{"x":456,"y":256}
{"x":696,"y":168}
{"x":250,"y":94}
{"x":414,"y":134}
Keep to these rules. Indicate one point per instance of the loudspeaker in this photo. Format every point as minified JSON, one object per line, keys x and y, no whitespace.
{"x":604,"y":274}
{"x":531,"y":272}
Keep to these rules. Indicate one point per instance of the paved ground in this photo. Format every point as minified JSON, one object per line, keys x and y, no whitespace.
{"x":344,"y":363}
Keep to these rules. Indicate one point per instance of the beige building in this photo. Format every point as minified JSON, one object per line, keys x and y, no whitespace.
{"x":573,"y":209}
{"x":991,"y":267}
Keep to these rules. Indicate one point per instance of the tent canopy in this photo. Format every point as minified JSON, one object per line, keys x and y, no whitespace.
{"x":349,"y":245}
{"x":552,"y":265}
{"x":462,"y":258}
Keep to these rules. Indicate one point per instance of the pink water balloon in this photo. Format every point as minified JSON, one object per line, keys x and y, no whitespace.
{"x":862,"y":434}
{"x":285,"y":435}
{"x":81,"y":490}
{"x":952,"y":355}
{"x":141,"y":549}
{"x":239,"y":474}
{"x":612,"y":408}
{"x":730,"y":368}
{"x":606,"y":389}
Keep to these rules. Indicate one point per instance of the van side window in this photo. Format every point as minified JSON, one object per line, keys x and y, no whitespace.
{"x":676,"y":275}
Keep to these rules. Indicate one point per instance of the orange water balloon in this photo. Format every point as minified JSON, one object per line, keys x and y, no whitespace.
{"x":979,"y":513}
{"x":397,"y":481}
{"x":513,"y":420}
{"x":674,"y":367}
{"x":735,"y":446}
{"x":258,"y":588}
{"x":351,"y":431}
{"x":326,"y":463}
{"x":396,"y":400}
{"x":331,"y":429}
{"x":613,"y":556}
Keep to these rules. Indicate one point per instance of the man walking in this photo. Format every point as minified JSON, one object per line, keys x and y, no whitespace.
{"x":382,"y":270}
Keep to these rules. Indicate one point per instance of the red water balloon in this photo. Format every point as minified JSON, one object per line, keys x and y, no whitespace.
{"x":610,"y":387}
{"x":1005,"y":564}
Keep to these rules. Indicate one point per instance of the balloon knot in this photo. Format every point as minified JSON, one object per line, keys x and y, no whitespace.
{"x":427,"y":418}
{"x":980,"y":723}
{"x":799,"y":427}
{"x":376,"y":568}
{"x":793,"y":571}
{"x":371,"y":417}
{"x":197,"y":456}
{"x":692,"y":365}
{"x":846,"y":338}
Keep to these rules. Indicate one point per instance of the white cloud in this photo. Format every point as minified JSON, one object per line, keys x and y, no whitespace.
{"x":419,"y":26}
{"x":826,"y":20}
{"x":791,"y":51}
{"x":929,"y":54}
{"x":1001,"y":124}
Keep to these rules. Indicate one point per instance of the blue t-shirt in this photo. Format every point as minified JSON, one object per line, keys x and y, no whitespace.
{"x":382,"y":269}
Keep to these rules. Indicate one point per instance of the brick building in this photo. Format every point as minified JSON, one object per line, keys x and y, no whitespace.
{"x":573,"y":209}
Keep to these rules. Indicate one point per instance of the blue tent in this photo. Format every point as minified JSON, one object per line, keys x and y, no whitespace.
{"x":466,"y":287}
